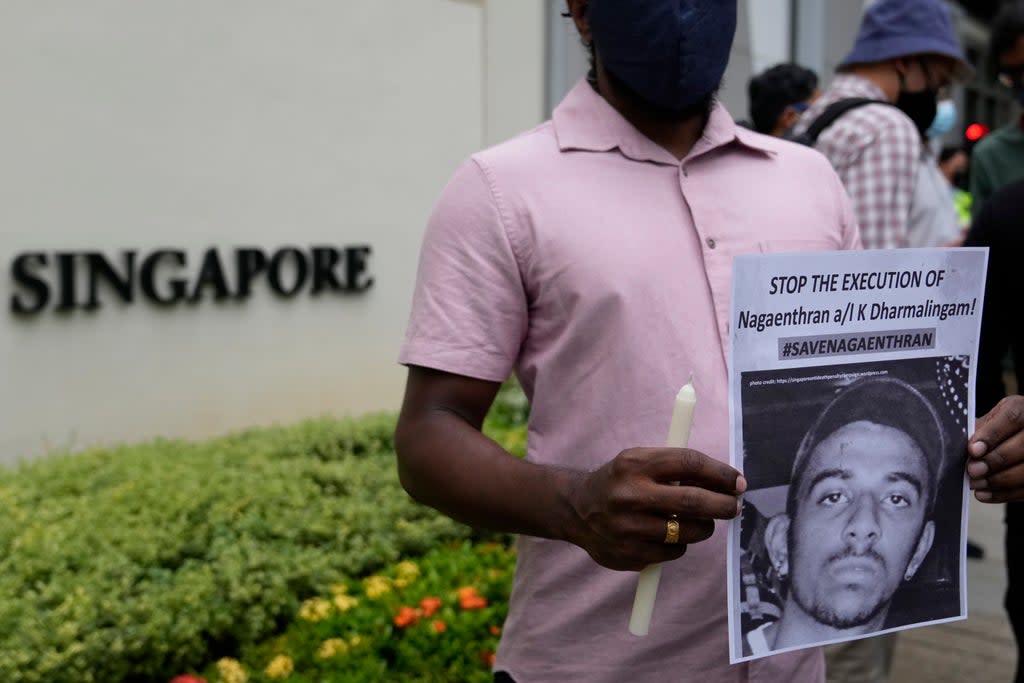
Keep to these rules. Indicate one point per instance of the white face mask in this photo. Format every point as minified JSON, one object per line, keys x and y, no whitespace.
{"x":945,"y":119}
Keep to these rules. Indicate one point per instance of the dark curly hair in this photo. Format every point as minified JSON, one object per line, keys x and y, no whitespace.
{"x":777,"y":88}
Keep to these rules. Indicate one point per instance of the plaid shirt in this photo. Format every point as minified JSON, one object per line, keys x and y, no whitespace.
{"x":876,"y":150}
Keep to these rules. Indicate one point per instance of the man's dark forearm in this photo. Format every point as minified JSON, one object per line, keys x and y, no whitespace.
{"x":448,"y":464}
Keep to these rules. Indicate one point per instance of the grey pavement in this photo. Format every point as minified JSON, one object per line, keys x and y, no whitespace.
{"x":980,"y":648}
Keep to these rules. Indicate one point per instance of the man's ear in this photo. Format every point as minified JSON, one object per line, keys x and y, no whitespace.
{"x":578,"y":11}
{"x":776,"y":539}
{"x":903,"y":66}
{"x":924,"y":544}
{"x":788,"y":118}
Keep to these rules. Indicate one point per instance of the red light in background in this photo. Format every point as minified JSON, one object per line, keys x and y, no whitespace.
{"x":976,"y":131}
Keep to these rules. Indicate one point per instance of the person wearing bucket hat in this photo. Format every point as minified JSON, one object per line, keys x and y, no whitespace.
{"x":858,"y":519}
{"x":905,"y":57}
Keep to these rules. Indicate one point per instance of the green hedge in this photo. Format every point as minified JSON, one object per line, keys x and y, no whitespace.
{"x":120,"y":565}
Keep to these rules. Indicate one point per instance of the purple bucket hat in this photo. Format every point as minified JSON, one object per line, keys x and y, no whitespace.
{"x":901,"y":28}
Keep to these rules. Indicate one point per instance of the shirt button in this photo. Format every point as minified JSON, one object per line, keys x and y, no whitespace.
{"x":686,"y":173}
{"x":711,"y":243}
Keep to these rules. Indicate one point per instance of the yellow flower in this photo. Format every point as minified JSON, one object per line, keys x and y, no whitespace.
{"x":332,"y":647}
{"x":407,"y":571}
{"x":355,"y":641}
{"x":315,"y":609}
{"x":376,"y":586}
{"x":339,"y":589}
{"x":231,"y":671}
{"x":280,"y":666}
{"x":345,"y":602}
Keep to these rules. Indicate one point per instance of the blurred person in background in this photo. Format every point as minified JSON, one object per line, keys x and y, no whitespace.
{"x":903,"y":61}
{"x":1000,"y":227}
{"x":935,"y":217}
{"x":999,"y":158}
{"x":779,"y":95}
{"x":906,"y":56}
{"x":997,"y":190}
{"x":955,"y":162}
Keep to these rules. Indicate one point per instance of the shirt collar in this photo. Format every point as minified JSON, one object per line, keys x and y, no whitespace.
{"x":585,"y":121}
{"x":851,"y":85}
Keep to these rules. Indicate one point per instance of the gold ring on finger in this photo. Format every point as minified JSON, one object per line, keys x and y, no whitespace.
{"x":672,"y":531}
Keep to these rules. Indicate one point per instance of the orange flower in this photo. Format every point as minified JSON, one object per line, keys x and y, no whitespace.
{"x":495,"y":630}
{"x":487,"y":657}
{"x":407,"y":616}
{"x":473,"y":602}
{"x":469,"y":598}
{"x":430,"y":606}
{"x":439,"y":626}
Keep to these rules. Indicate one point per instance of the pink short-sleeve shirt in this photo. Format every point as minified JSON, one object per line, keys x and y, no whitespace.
{"x":597,"y":267}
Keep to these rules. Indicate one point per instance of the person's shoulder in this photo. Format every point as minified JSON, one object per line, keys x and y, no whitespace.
{"x":879,"y":122}
{"x":492,"y":179}
{"x":998,"y":222}
{"x":1011,"y":131}
{"x":801,"y":181}
{"x":785,"y":150}
{"x":527,"y":152}
{"x":991,"y":143}
{"x":1007,"y":204}
{"x":793,"y":157}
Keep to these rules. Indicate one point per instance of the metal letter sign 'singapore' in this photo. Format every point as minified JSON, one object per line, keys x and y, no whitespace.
{"x":67,"y":280}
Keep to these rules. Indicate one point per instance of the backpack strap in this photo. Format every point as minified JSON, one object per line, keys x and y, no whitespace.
{"x":831,"y":113}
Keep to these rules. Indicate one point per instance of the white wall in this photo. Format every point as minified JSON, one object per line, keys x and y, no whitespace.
{"x":516,"y":73}
{"x":144,"y":124}
{"x":769,"y":24}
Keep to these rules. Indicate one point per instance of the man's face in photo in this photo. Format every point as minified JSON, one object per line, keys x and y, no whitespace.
{"x":859,"y":527}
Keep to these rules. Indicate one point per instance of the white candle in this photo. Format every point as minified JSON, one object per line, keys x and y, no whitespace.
{"x":647,"y":584}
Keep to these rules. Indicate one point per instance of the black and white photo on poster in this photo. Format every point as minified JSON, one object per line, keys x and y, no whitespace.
{"x":851,"y":397}
{"x":851,"y":524}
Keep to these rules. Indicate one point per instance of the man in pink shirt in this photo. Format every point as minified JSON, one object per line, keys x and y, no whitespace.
{"x":592,"y":256}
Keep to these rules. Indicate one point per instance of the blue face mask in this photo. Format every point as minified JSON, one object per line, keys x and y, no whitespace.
{"x":945,"y":119}
{"x":672,"y":53}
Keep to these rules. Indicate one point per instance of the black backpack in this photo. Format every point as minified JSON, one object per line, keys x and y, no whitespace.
{"x":832,"y":112}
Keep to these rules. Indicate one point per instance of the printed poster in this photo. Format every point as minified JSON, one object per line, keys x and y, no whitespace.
{"x":851,"y":399}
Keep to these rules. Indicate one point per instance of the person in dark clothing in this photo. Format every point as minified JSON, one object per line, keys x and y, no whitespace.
{"x":779,"y":96}
{"x":999,"y":158}
{"x":1000,"y":226}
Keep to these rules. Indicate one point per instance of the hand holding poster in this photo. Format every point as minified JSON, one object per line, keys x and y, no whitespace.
{"x":851,"y":398}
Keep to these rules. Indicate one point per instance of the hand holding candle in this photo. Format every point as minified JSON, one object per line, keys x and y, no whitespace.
{"x":647,"y":584}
